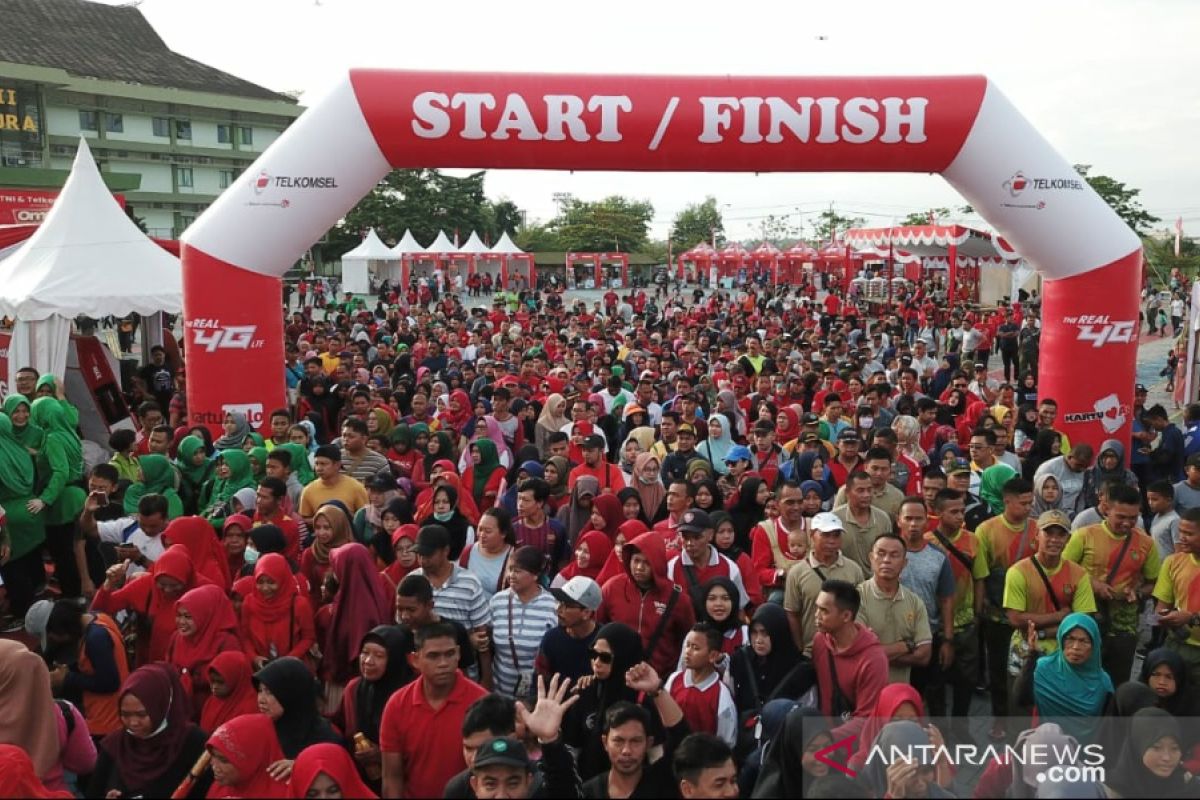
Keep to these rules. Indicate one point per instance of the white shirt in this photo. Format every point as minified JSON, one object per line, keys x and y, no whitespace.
{"x":125,"y":531}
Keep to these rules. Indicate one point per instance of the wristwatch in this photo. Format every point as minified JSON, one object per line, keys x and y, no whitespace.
{"x":911,"y":645}
{"x":1041,"y":634}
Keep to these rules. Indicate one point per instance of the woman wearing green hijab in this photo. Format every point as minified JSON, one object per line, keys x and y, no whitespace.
{"x":48,"y":386}
{"x":61,"y":500}
{"x":158,"y":477}
{"x":991,"y":484}
{"x":484,"y":474}
{"x":258,"y":462}
{"x":442,"y":450}
{"x":195,"y":468}
{"x":299,"y":466}
{"x":25,"y":531}
{"x":232,"y":474}
{"x":28,"y":435}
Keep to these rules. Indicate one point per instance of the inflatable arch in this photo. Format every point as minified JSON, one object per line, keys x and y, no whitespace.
{"x":373,"y":121}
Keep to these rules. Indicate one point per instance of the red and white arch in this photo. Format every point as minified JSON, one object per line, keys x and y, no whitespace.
{"x":374,"y":120}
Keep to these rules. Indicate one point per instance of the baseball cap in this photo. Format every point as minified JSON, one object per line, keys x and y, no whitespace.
{"x":1054,"y":518}
{"x":811,"y":436}
{"x":979,"y":366}
{"x":593,"y":442}
{"x":1140,"y":389}
{"x":686,"y":428}
{"x":739,"y":452}
{"x":694,"y":521}
{"x":810,"y":419}
{"x":36,"y":619}
{"x":505,"y":751}
{"x":848,"y":435}
{"x":827,"y":522}
{"x":580,"y":590}
{"x":430,"y":539}
{"x":959,"y":465}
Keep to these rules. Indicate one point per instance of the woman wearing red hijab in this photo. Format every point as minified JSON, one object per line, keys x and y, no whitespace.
{"x":591,"y":554}
{"x":241,"y":750}
{"x":968,"y":423}
{"x":233,"y":693}
{"x":607,"y":516}
{"x":457,"y":414}
{"x":276,"y":619}
{"x":152,"y":597}
{"x":205,"y":627}
{"x":158,"y":743}
{"x":363,"y":601}
{"x":208,"y":554}
{"x":629,"y":530}
{"x":897,"y":701}
{"x":323,"y":769}
{"x":403,"y":540}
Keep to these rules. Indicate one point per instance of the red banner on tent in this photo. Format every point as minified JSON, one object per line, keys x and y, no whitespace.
{"x":30,"y":206}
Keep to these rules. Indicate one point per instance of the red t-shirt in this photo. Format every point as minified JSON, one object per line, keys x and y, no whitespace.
{"x":429,"y":740}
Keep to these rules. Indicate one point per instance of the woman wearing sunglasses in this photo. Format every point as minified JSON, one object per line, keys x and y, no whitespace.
{"x":616,"y":649}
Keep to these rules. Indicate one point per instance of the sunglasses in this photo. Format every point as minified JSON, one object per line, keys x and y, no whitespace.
{"x":603,"y":658}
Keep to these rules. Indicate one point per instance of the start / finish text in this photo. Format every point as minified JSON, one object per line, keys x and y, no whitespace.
{"x":746,"y":119}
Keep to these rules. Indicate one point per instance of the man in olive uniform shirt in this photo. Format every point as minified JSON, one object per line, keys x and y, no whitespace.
{"x":1123,"y":563}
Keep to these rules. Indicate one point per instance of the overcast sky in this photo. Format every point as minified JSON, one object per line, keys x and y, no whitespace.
{"x":1111,"y":83}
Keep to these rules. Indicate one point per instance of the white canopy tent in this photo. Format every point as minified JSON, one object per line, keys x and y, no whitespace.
{"x":394,"y":271}
{"x":87,"y":258}
{"x":506,"y":246}
{"x":357,"y":263}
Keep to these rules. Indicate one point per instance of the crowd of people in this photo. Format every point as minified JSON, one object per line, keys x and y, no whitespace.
{"x":658,"y":546}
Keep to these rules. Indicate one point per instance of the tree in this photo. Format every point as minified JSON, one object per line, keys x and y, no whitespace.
{"x":1121,"y":198}
{"x":614,"y":223}
{"x":830,"y":222}
{"x":503,"y":217}
{"x":537,"y":236}
{"x":699,"y":222}
{"x":424,"y":201}
{"x":923,"y":217}
{"x":779,"y":231}
{"x":1160,"y":257}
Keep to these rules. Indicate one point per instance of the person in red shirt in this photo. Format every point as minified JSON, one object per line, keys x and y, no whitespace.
{"x":420,"y":733}
{"x":269,"y":499}
{"x":611,"y":479}
{"x":643,"y":595}
{"x":774,"y":544}
{"x":700,"y":562}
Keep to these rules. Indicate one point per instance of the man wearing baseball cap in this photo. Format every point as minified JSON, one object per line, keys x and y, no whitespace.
{"x":803,"y":582}
{"x":674,"y":466}
{"x":1039,"y":592}
{"x":502,"y":766}
{"x":564,"y":649}
{"x":847,"y":461}
{"x":610,"y":476}
{"x":700,"y":562}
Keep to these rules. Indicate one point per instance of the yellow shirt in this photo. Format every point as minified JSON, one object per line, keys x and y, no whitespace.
{"x":347,"y":490}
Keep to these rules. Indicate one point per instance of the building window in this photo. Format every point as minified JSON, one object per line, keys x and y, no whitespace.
{"x":183,"y":177}
{"x":89,"y":120}
{"x":225,"y":134}
{"x":162,"y":127}
{"x":247,"y":136}
{"x":226,"y":177}
{"x":183,"y":129}
{"x":114,"y":123}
